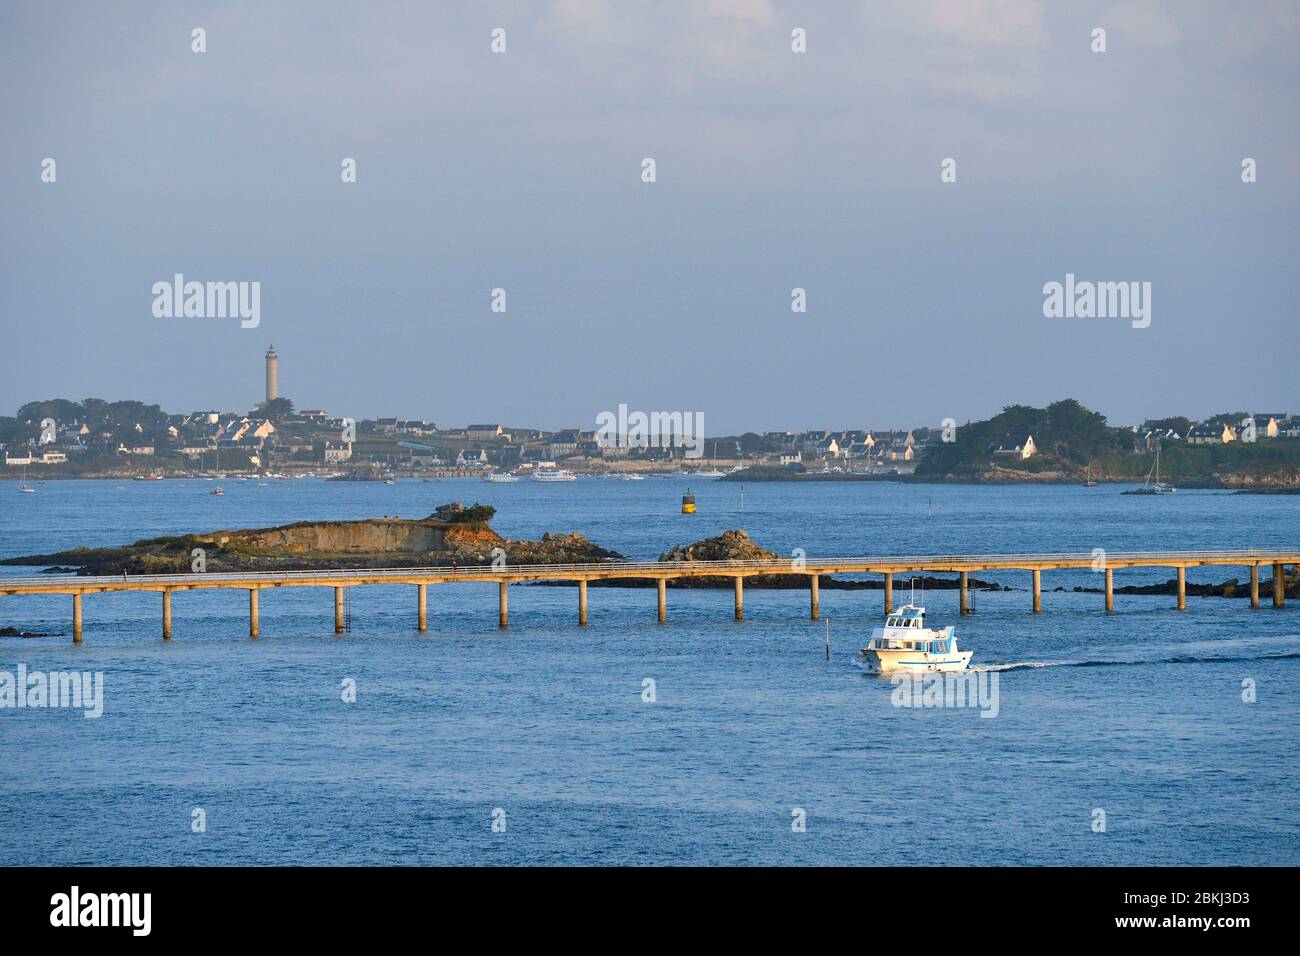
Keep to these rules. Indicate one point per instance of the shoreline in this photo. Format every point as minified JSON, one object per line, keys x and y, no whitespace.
{"x":1191,"y":484}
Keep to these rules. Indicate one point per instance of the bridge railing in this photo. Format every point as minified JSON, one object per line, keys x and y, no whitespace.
{"x":807,"y":565}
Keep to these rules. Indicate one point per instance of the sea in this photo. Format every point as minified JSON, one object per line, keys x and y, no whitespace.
{"x":1144,"y":736}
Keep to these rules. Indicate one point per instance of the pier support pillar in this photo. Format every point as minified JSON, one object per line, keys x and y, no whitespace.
{"x":1279,"y":589}
{"x":503,"y":605}
{"x":740,"y":598}
{"x":422,"y":600}
{"x":1182,"y":589}
{"x":1038,"y":590}
{"x":965,"y":593}
{"x":252,"y":612}
{"x":814,"y":596}
{"x":76,"y":619}
{"x":582,"y":603}
{"x":1110,"y":589}
{"x":1254,"y":585}
{"x":663,"y":600}
{"x":167,"y":615}
{"x":338,"y":610}
{"x":889,"y":592}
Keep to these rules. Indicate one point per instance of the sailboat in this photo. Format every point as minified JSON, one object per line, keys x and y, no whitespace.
{"x":1089,"y":482}
{"x":1153,"y":487}
{"x":23,"y":486}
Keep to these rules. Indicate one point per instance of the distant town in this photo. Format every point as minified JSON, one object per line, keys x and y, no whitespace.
{"x":1062,"y":442}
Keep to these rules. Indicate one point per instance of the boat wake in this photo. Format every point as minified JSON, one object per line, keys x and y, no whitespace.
{"x":1117,"y":662}
{"x":1280,"y":648}
{"x":1283,"y":648}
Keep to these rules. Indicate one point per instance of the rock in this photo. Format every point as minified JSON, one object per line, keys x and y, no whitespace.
{"x":728,"y":546}
{"x":737,"y":546}
{"x":14,"y":632}
{"x":452,"y":535}
{"x":457,"y":513}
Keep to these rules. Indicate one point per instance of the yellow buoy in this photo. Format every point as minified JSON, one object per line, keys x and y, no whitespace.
{"x":688,"y":503}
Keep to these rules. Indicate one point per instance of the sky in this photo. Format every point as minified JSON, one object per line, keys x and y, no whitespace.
{"x":774,"y":170}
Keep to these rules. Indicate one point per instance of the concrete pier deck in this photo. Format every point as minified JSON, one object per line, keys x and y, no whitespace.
{"x":660,"y":571}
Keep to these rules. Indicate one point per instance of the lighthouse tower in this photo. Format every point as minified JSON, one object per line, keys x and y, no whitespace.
{"x":272,"y":375}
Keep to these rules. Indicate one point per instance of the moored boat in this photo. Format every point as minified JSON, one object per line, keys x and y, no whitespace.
{"x":1150,"y":487}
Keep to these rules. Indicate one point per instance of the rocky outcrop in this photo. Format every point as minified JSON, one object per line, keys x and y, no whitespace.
{"x":14,"y":632}
{"x":1231,"y":588}
{"x":1278,"y":480}
{"x":728,"y":546}
{"x":736,"y":545}
{"x":557,"y":549}
{"x":453,"y":535}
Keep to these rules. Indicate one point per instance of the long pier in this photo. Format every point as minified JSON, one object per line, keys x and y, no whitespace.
{"x":660,"y":571}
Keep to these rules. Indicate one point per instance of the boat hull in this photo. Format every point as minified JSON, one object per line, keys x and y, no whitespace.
{"x":901,"y":661}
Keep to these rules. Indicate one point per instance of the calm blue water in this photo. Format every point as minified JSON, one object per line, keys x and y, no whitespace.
{"x":1138,"y":713}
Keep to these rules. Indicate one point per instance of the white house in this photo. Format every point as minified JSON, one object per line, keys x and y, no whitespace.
{"x":1269,"y":426}
{"x":486,"y":433}
{"x":1021,"y":449}
{"x":335,"y":454}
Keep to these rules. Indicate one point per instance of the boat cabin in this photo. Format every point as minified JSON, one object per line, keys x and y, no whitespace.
{"x":909,"y":615}
{"x":906,"y":631}
{"x":937,"y":645}
{"x":896,"y":621}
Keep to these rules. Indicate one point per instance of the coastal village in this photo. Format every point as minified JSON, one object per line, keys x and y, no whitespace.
{"x":94,"y":438}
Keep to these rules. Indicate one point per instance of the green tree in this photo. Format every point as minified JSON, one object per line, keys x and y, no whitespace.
{"x":278,"y":409}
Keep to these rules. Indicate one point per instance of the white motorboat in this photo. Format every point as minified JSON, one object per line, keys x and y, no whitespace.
{"x":904,"y":644}
{"x":553,"y":474}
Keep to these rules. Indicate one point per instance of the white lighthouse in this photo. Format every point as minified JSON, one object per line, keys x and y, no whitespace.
{"x":272,"y":375}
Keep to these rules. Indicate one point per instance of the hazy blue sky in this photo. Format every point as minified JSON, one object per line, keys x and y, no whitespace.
{"x":522,"y":170}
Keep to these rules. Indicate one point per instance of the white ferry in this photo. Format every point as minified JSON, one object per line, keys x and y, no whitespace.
{"x":553,"y":474}
{"x":905,"y":644}
{"x":499,"y":478}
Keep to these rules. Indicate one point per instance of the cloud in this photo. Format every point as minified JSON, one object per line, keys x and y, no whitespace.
{"x":1141,"y":22}
{"x":995,"y":22}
